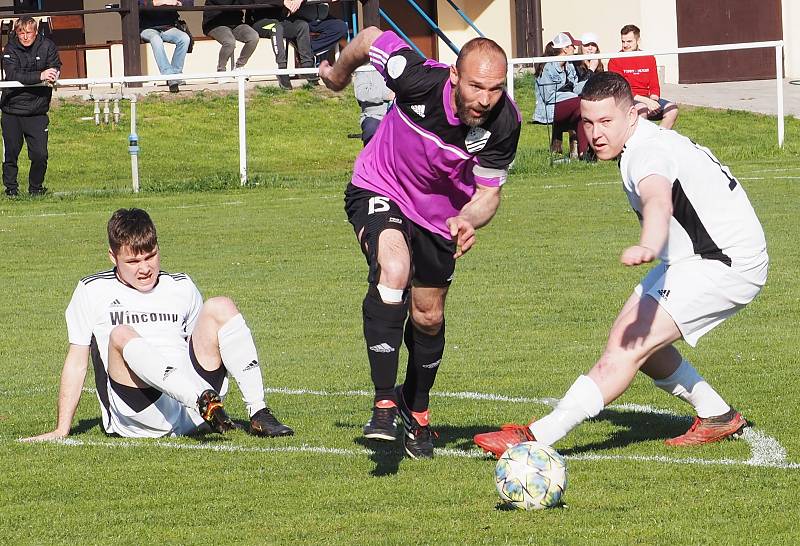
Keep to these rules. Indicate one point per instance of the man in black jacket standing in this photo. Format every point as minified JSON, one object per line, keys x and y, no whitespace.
{"x":28,"y":59}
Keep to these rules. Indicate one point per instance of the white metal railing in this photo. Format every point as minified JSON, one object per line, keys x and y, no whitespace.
{"x":241,"y":76}
{"x":777,"y":44}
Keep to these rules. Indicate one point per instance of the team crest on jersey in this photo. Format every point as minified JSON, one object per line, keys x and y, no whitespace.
{"x":396,"y":66}
{"x":476,"y":139}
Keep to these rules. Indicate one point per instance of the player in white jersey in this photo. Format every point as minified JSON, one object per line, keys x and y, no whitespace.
{"x":161,"y":355}
{"x":697,"y":219}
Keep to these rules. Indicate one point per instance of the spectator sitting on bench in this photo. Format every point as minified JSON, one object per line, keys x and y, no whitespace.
{"x":281,"y":23}
{"x":326,"y":31}
{"x":160,"y":26}
{"x":642,"y":76}
{"x":226,"y":27}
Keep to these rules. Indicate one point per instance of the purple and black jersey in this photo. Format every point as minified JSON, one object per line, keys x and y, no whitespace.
{"x":422,"y":156}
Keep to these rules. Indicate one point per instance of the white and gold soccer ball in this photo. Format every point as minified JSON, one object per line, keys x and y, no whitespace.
{"x":531,"y":476}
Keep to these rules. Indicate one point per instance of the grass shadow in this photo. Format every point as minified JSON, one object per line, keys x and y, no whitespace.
{"x":457,"y":437}
{"x":387,"y":456}
{"x":634,"y":427}
{"x":84,"y":426}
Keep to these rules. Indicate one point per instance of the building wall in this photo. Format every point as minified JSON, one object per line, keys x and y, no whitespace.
{"x":103,"y":27}
{"x":791,"y":52}
{"x":495,"y":18}
{"x":656,"y":19}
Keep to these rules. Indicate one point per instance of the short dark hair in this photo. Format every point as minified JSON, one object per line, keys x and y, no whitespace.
{"x":608,"y":84}
{"x":627,"y":29}
{"x":484,"y":45}
{"x":132,"y":228}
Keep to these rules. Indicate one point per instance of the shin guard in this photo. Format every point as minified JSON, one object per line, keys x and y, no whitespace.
{"x":424,"y":356}
{"x":383,"y":333}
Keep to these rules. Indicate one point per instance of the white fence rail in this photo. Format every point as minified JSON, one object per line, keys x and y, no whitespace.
{"x":241,"y":76}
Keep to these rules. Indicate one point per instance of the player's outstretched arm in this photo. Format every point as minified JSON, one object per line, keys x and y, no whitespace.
{"x":337,"y":75}
{"x":474,"y":215}
{"x":656,"y":194}
{"x":72,"y":377}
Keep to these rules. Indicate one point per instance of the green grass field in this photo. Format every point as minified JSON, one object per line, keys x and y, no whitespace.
{"x":528,"y":312}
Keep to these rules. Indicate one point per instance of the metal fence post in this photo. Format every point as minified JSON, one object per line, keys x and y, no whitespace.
{"x":240,"y":80}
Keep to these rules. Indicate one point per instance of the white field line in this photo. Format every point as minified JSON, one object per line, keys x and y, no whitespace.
{"x":326,"y":197}
{"x":768,"y":177}
{"x":89,"y":212}
{"x":765,"y":451}
{"x":754,"y":461}
{"x":775,"y":170}
{"x":174,"y":207}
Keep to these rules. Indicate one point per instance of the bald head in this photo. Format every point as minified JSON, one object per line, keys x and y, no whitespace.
{"x":482,"y":48}
{"x":478,"y":79}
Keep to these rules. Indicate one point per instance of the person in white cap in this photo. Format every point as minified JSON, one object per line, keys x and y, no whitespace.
{"x":557,"y":89}
{"x":586,"y":69}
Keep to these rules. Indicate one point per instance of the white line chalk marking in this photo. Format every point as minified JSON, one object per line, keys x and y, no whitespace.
{"x":766,"y":452}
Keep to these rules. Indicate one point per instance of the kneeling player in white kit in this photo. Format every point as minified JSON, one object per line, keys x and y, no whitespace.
{"x":698,"y":220}
{"x":161,"y":356}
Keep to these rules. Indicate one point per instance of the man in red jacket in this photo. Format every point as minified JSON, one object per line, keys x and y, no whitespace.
{"x":642,"y":76}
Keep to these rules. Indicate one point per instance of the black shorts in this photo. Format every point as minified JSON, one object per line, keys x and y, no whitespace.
{"x":432,"y":262}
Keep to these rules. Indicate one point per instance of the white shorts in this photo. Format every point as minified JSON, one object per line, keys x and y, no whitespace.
{"x":164,"y":417}
{"x":700,"y":294}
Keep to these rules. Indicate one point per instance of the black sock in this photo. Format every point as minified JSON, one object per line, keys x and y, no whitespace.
{"x":383,"y":332}
{"x":424,"y":356}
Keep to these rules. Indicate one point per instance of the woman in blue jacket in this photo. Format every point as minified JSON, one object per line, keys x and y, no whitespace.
{"x":557,"y":90}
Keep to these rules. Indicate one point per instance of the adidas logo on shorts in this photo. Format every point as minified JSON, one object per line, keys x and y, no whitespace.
{"x":382,"y":348}
{"x":167,"y":371}
{"x":664,"y":294}
{"x":432,"y":365}
{"x":419,"y":109}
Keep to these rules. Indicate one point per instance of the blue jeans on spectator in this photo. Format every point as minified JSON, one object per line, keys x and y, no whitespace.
{"x":171,"y":36}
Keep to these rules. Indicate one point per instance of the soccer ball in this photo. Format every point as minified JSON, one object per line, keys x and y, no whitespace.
{"x":531,"y":476}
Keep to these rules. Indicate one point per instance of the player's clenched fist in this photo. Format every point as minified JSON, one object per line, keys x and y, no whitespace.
{"x":637,"y":255}
{"x":463,"y":234}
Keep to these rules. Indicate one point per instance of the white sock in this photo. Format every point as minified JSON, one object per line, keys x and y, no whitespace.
{"x":688,"y":385}
{"x":240,"y":358}
{"x":582,"y":401}
{"x":171,"y":378}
